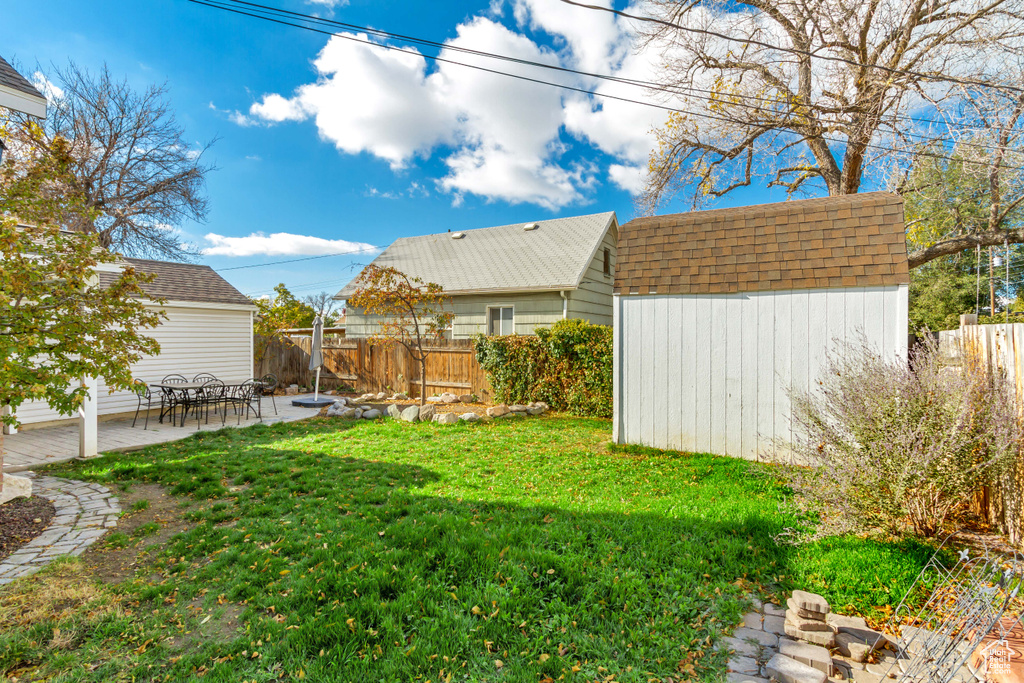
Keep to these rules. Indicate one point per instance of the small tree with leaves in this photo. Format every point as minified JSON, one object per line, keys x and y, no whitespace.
{"x":57,"y":324}
{"x":274,"y":315}
{"x":409,"y":312}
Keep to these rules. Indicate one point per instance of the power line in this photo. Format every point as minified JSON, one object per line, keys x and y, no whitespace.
{"x":307,"y":258}
{"x":793,"y":50}
{"x":219,"y":5}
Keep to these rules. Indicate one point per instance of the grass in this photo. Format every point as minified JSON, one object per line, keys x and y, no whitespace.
{"x":512,"y":551}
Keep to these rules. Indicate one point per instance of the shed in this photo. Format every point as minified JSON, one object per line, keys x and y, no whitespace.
{"x":208,"y":329}
{"x":719,"y":313}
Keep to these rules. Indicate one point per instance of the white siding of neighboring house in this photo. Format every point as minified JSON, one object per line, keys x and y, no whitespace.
{"x":592,"y":301}
{"x":213,"y":338}
{"x":710,"y":373}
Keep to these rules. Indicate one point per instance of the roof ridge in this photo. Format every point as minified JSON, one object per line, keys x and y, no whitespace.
{"x":787,"y":205}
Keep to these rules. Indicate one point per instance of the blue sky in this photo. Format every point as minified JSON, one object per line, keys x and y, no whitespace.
{"x":326,"y":139}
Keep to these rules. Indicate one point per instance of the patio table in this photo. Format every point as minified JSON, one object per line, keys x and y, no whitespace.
{"x":190,"y":389}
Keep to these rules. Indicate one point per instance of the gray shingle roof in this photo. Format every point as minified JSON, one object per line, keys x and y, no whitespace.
{"x":503,"y":258}
{"x":12,"y":79}
{"x":183,"y":282}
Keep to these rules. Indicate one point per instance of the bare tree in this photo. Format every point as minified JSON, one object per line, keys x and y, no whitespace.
{"x":140,"y":176}
{"x":809,"y":94}
{"x":325,"y":306}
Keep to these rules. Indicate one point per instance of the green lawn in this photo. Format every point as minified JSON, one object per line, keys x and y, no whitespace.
{"x":513,"y":551}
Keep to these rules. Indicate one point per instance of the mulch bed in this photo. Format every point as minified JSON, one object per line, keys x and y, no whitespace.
{"x":21,"y":520}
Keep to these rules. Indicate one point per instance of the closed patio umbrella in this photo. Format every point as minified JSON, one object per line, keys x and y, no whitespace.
{"x":316,"y":354}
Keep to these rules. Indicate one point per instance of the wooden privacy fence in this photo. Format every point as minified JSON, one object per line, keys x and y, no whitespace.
{"x":996,"y":349}
{"x":451,"y":366}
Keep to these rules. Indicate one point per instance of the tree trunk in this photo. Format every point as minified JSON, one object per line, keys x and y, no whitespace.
{"x":423,"y":380}
{"x":991,"y":283}
{"x":1,"y":456}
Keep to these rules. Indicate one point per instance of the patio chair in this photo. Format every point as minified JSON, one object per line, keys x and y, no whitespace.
{"x":142,"y":393}
{"x":241,"y":398}
{"x":266,"y":386}
{"x":171,"y":400}
{"x":203,"y":377}
{"x":212,"y":393}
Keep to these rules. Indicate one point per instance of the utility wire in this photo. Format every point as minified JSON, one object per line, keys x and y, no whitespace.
{"x":218,"y":5}
{"x":307,"y":258}
{"x":793,"y":50}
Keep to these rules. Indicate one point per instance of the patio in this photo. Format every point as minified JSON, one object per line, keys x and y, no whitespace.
{"x":34,"y":448}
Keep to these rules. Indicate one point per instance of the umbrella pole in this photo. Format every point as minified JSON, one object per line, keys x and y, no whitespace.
{"x":316,"y":392}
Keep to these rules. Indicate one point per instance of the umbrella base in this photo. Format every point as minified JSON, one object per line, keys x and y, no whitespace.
{"x":312,"y":403}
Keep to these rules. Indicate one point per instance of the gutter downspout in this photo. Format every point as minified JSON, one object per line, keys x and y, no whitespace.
{"x":565,"y":304}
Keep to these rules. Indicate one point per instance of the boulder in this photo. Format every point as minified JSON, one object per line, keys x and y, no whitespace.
{"x":498,"y":410}
{"x":381,"y":396}
{"x":15,"y":487}
{"x":467,"y":398}
{"x":449,"y":398}
{"x":347,"y":413}
{"x":434,"y":399}
{"x":469,"y":417}
{"x":518,"y":408}
{"x":359,"y":412}
{"x":342,"y":400}
{"x":293,"y":390}
{"x":446,"y":418}
{"x":371,"y":414}
{"x":427,"y":412}
{"x":783,"y":669}
{"x":535,"y":410}
{"x":394,"y":411}
{"x":411,"y":414}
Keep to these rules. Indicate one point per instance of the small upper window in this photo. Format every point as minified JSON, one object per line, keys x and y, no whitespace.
{"x":607,"y":261}
{"x":500,"y":320}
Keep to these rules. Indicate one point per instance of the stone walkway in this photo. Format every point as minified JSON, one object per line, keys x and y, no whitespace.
{"x":84,"y":512}
{"x":33,"y":448}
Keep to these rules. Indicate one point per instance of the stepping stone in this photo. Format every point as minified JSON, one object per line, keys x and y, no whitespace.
{"x":793,"y":617}
{"x":732,"y":677}
{"x":785,"y":670}
{"x":771,"y":610}
{"x":746,"y":666}
{"x":814,"y":656}
{"x":776,"y":625}
{"x":741,"y":647}
{"x":765,"y":639}
{"x":852,"y":647}
{"x":805,"y":613}
{"x":841,"y":621}
{"x":823,"y":638}
{"x":753,"y":620}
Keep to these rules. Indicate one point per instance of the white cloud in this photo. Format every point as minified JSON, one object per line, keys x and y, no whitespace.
{"x":280,"y":244}
{"x":50,"y":90}
{"x":328,"y":4}
{"x":629,"y":178}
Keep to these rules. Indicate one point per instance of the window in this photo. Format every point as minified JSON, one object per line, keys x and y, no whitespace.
{"x":607,"y":261}
{"x":499,"y":320}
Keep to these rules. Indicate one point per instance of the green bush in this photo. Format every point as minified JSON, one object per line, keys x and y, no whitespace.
{"x":568,"y":366}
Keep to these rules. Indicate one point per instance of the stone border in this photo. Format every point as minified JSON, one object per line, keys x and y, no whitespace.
{"x":84,"y":512}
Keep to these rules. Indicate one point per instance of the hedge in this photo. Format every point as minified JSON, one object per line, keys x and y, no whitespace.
{"x":568,"y":366}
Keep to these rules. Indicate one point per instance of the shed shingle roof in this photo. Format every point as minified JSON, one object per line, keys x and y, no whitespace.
{"x":12,"y":79}
{"x":849,"y":241}
{"x":503,"y":258}
{"x":183,"y":282}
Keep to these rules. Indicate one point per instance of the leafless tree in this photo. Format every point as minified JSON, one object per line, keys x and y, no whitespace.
{"x":809,"y":94}
{"x":324,"y":305}
{"x":140,"y":176}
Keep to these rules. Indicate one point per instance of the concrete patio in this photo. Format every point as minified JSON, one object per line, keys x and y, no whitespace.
{"x":33,"y":448}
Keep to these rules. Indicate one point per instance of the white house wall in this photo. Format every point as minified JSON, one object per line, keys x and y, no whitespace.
{"x":192,"y":340}
{"x":710,"y":373}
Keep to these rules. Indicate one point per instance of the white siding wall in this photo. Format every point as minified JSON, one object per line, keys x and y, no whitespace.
{"x":710,"y":373}
{"x":192,"y":340}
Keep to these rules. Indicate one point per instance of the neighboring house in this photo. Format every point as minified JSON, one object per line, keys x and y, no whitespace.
{"x":510,"y":279}
{"x":18,"y":94}
{"x":719,"y":313}
{"x":208,"y":329}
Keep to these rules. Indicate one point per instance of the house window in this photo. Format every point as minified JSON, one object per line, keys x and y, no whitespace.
{"x":607,"y":261}
{"x":499,"y":320}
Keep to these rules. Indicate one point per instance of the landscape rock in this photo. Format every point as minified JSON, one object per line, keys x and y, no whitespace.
{"x":469,"y":417}
{"x":335,"y":408}
{"x":823,"y":638}
{"x":466,"y":398}
{"x":371,"y":414}
{"x":793,"y":617}
{"x":402,"y":396}
{"x":347,"y":413}
{"x":381,"y":396}
{"x":434,"y":399}
{"x":446,"y":418}
{"x":786,"y":670}
{"x":293,"y":390}
{"x":411,"y":414}
{"x":394,"y":411}
{"x":811,"y":602}
{"x":449,"y":398}
{"x":358,"y":412}
{"x":535,"y":410}
{"x":427,"y":412}
{"x":812,"y":655}
{"x":518,"y":408}
{"x":498,"y":410}
{"x":15,"y":487}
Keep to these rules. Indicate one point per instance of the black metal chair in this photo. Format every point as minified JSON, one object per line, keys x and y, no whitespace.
{"x":212,"y":393}
{"x":142,"y":393}
{"x":203,"y":377}
{"x":241,"y":398}
{"x":171,"y":400}
{"x":266,"y":386}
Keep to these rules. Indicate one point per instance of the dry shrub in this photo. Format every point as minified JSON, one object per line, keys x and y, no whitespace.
{"x":901,"y":447}
{"x":58,"y":593}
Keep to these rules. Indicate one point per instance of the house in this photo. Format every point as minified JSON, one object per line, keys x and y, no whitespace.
{"x":208,"y":328}
{"x":719,"y":313}
{"x":18,"y":94}
{"x":510,"y":279}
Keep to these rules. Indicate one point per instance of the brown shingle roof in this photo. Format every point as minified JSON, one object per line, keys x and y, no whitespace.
{"x":849,"y":241}
{"x":183,"y":282}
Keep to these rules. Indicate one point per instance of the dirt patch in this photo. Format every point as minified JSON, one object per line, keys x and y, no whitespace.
{"x":21,"y":520}
{"x":151,"y":517}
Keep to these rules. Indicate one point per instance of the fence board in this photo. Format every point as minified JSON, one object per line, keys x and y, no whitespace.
{"x":450,"y":366}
